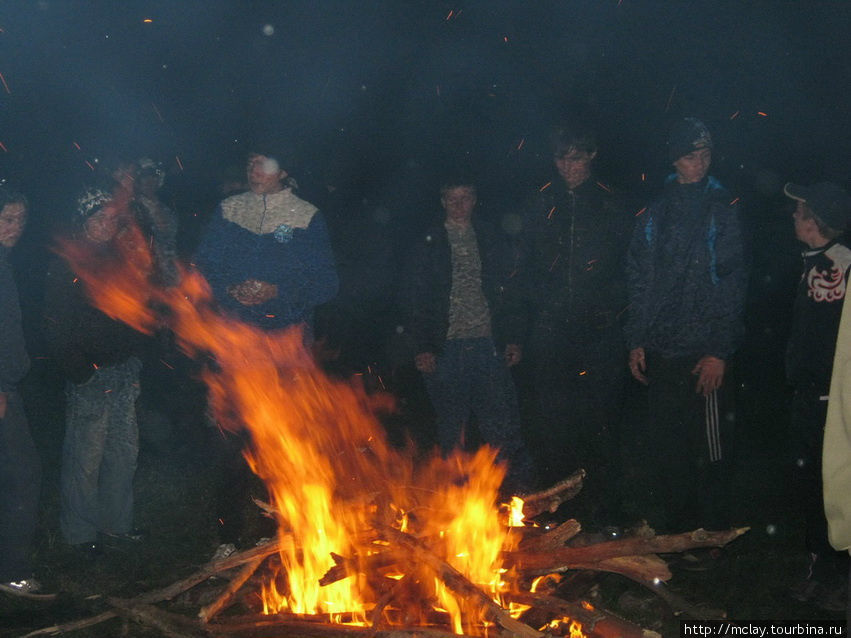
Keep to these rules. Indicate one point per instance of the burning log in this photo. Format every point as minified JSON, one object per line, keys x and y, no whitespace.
{"x":594,"y":621}
{"x":459,"y":584}
{"x":289,"y":626}
{"x":559,"y":560}
{"x":550,"y":499}
{"x":553,"y":539}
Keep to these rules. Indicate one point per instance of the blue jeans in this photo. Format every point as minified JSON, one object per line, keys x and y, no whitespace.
{"x":99,"y":453}
{"x":471,"y":378}
{"x":20,"y":476}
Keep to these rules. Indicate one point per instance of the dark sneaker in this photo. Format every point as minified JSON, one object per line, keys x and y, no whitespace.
{"x":90,"y":551}
{"x":28,"y":588}
{"x":133,"y":536}
{"x":830,"y":598}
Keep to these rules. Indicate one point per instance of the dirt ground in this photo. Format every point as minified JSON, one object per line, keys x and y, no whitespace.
{"x":174,"y":504}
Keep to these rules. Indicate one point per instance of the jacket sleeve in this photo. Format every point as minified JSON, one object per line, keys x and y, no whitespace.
{"x":639,"y":275}
{"x":315,"y":280}
{"x":729,"y":276}
{"x":209,"y":257}
{"x":14,"y":362}
{"x":63,"y":303}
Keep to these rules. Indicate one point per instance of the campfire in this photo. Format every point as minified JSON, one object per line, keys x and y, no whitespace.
{"x":369,"y":540}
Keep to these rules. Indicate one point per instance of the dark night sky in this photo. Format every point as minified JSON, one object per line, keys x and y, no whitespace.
{"x":360,"y":87}
{"x":381,"y":96}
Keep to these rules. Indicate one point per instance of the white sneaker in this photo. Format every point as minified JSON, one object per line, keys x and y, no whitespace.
{"x":223,"y":551}
{"x":27,"y":588}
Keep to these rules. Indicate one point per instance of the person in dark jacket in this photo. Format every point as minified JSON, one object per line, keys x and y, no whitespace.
{"x":465,"y":331}
{"x":687,"y":277}
{"x":572,"y":251}
{"x":267,"y":256}
{"x":20,"y":465}
{"x":821,"y":216}
{"x":97,"y":355}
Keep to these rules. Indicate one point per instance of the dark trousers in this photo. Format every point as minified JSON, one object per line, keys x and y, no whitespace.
{"x":806,"y":438}
{"x":20,"y":476}
{"x":578,"y":383}
{"x":686,"y":447}
{"x":472,"y":379}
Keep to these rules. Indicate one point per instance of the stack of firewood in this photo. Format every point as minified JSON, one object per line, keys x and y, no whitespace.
{"x":539,"y":552}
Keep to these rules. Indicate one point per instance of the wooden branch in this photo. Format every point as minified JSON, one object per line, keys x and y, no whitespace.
{"x":565,"y":558}
{"x":457,"y":582}
{"x":682,"y":607}
{"x":549,"y":499}
{"x":593,"y":620}
{"x":549,"y":540}
{"x":210,"y":569}
{"x":64,"y":628}
{"x":171,"y":625}
{"x":280,"y":626}
{"x":238,"y":581}
{"x":167,"y":593}
{"x":643,"y":569}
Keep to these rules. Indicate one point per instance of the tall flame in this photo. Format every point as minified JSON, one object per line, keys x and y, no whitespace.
{"x":318,"y":447}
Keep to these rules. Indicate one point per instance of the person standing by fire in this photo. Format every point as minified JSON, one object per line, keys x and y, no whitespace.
{"x":98,"y":356}
{"x":687,"y":277}
{"x":822,"y":215}
{"x":267,"y":256}
{"x":466,"y":333}
{"x":20,"y":465}
{"x":572,"y":248}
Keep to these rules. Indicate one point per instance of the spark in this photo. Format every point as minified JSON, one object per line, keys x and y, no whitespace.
{"x":179,"y":163}
{"x":641,"y":211}
{"x":77,"y":146}
{"x":735,"y":200}
{"x":3,"y":146}
{"x":644,"y":177}
{"x":522,"y":142}
{"x":545,"y":187}
{"x":550,"y":214}
{"x":157,"y":111}
{"x":147,"y":21}
{"x":89,"y":164}
{"x":505,"y":39}
{"x":583,"y":373}
{"x":166,"y":364}
{"x":670,"y":97}
{"x":762,"y":114}
{"x":604,"y":187}
{"x":734,"y":115}
{"x":5,"y":86}
{"x":449,"y":17}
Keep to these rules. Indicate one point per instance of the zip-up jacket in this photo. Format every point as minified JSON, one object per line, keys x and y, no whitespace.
{"x":686,"y":273}
{"x":571,"y":257}
{"x":426,"y":296}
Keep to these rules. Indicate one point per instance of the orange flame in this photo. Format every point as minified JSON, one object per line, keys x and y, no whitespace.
{"x":320,"y":450}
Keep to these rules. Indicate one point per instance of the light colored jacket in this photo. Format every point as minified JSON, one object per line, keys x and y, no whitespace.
{"x":836,"y":458}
